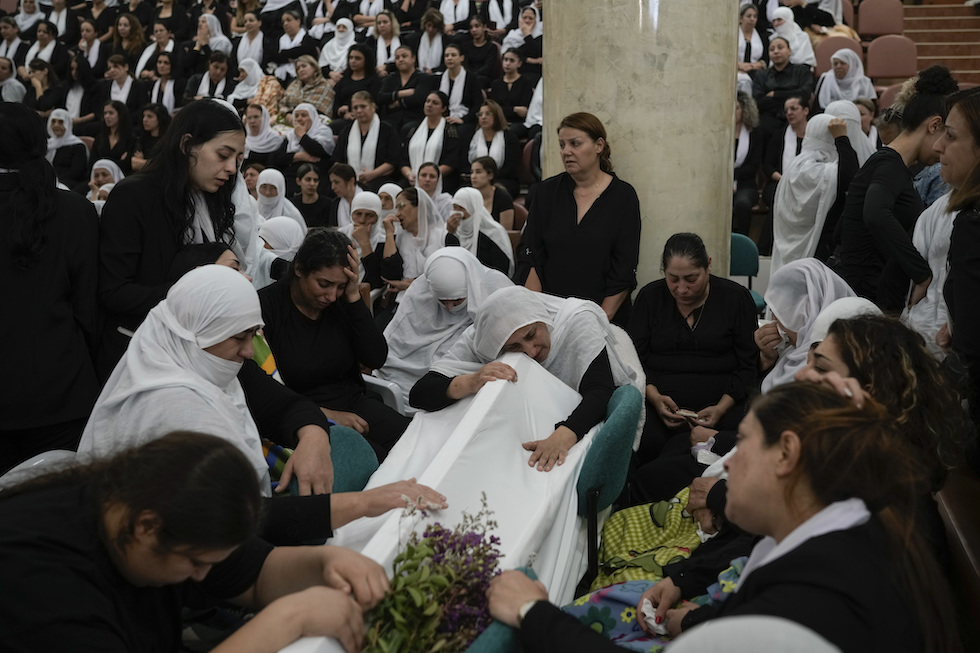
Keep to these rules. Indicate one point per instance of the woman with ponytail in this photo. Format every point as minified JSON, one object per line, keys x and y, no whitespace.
{"x":48,"y":278}
{"x":584,"y":226}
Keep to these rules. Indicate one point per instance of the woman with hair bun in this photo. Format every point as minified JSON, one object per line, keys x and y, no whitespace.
{"x":48,"y":279}
{"x":584,"y":227}
{"x":877,"y":258}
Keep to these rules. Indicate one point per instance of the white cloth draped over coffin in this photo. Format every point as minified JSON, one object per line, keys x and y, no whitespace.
{"x":474,"y":446}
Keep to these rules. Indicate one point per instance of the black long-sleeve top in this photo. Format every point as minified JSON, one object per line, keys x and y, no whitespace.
{"x":472,"y":95}
{"x":847,"y":167}
{"x":411,"y":105}
{"x":481,"y":60}
{"x":773,"y":161}
{"x":794,"y":79}
{"x":532,"y":49}
{"x":695,"y":367}
{"x":52,"y":316}
{"x":596,"y":387}
{"x":487,"y":251}
{"x":307,"y":46}
{"x":409,"y":19}
{"x":451,"y":154}
{"x":517,"y":94}
{"x":345,"y":88}
{"x":591,"y":259}
{"x":961,"y":290}
{"x":745,"y":173}
{"x":876,"y":226}
{"x":388,"y":149}
{"x":71,"y":164}
{"x":321,"y":358}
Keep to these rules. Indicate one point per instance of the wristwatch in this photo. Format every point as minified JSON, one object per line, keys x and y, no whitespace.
{"x":524,"y":609}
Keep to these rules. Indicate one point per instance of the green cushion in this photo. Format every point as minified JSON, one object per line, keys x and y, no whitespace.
{"x":353,"y":459}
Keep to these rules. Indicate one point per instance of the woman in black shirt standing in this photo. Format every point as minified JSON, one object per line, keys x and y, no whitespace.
{"x":584,"y":228}
{"x":877,"y":258}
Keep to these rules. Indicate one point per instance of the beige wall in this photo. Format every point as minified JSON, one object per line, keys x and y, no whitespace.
{"x":660,"y":74}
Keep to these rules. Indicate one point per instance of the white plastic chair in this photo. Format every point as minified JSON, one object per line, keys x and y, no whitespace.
{"x":390,"y":393}
{"x":35,"y":467}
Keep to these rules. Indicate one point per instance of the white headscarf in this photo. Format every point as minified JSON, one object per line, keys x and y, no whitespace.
{"x":423,"y":330}
{"x":111,"y":166}
{"x":218,"y":40}
{"x":267,"y":140}
{"x":55,"y":142}
{"x":26,"y":21}
{"x":147,"y":54}
{"x":848,"y":112}
{"x":250,"y":49}
{"x":750,"y":634}
{"x":248,"y":87}
{"x":271,"y":207}
{"x":431,"y":236}
{"x":283,"y":234}
{"x":423,"y":148}
{"x":286,"y":42}
{"x":344,"y":208}
{"x":318,"y":131}
{"x":479,"y":147}
{"x":805,"y":194}
{"x":391,"y":190}
{"x":334,"y":52}
{"x":535,"y":110}
{"x":515,"y":37}
{"x":457,"y":108}
{"x":206,"y":306}
{"x":430,"y":51}
{"x":844,"y":308}
{"x":480,"y":221}
{"x":362,"y":156}
{"x":371,"y":202}
{"x":579,"y":332}
{"x":799,"y":42}
{"x":854,"y":85}
{"x":797,"y":293}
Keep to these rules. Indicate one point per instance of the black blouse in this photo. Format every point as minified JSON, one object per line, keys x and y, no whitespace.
{"x":518,"y":94}
{"x":592,"y":259}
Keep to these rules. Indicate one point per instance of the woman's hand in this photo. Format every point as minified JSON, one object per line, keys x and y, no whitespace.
{"x":310,"y":463}
{"x":454,"y":121}
{"x":710,"y":416}
{"x":305,"y":156}
{"x":844,"y":386}
{"x":361,"y":234}
{"x":551,"y":451}
{"x":837,"y":128}
{"x":349,"y":571}
{"x":350,"y":420}
{"x":353,"y":271}
{"x":663,"y":596}
{"x":705,"y":519}
{"x":465,"y":385}
{"x":203,"y":35}
{"x":398,"y":285}
{"x":919,"y":291}
{"x":667,"y":410}
{"x":453,"y":222}
{"x":511,"y":590}
{"x":402,"y":494}
{"x":944,"y":338}
{"x":333,"y":77}
{"x":744,"y":67}
{"x":322,"y":612}
{"x":767,"y":338}
{"x":702,"y":434}
{"x":389,"y":224}
{"x":698,"y":496}
{"x":676,"y":616}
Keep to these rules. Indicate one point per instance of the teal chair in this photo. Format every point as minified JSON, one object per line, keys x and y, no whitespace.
{"x":353,"y":459}
{"x":498,"y":636}
{"x":745,"y":263}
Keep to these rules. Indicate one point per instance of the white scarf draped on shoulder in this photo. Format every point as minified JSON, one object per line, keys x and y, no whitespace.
{"x":480,"y":222}
{"x":56,"y":142}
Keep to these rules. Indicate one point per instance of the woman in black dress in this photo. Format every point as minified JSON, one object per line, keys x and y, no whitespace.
{"x":584,"y":228}
{"x":154,"y":124}
{"x":877,"y":258}
{"x":115,"y":141}
{"x":66,"y":152}
{"x":694,"y":334}
{"x":483,"y":175}
{"x":321,"y":333}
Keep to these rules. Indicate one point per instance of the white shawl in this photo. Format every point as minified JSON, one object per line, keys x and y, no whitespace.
{"x":288,"y":69}
{"x":797,"y":293}
{"x":60,"y":20}
{"x":742,"y":146}
{"x":273,"y":207}
{"x":362,"y":156}
{"x":204,"y":88}
{"x":789,"y":146}
{"x":456,"y":107}
{"x":248,"y":87}
{"x":121,"y":93}
{"x":579,"y":332}
{"x":8,"y":50}
{"x":56,"y":142}
{"x":501,"y":15}
{"x":430,"y":52}
{"x":756,"y":51}
{"x":931,"y":238}
{"x":168,"y":100}
{"x":454,"y":11}
{"x":319,"y":131}
{"x":385,"y":53}
{"x":217,"y":41}
{"x":480,"y":222}
{"x":267,"y":140}
{"x":535,"y":110}
{"x":25,"y":21}
{"x":334,"y":52}
{"x":423,"y":148}
{"x":37,"y":52}
{"x":148,"y":53}
{"x":431,"y":236}
{"x":515,"y":37}
{"x":250,"y":49}
{"x":167,"y":382}
{"x":799,"y":42}
{"x":344,"y":209}
{"x":479,"y":147}
{"x":805,"y":193}
{"x":319,"y":30}
{"x":283,"y":235}
{"x":423,"y":329}
{"x":370,"y":8}
{"x":854,"y":85}
{"x":92,"y":52}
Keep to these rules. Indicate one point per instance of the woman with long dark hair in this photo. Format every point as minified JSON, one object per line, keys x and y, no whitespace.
{"x":49,"y":272}
{"x":184,"y":195}
{"x":78,"y":96}
{"x":115,"y":141}
{"x":154,"y":125}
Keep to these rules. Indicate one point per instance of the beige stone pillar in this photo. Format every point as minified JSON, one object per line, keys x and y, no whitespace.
{"x":660,"y":74}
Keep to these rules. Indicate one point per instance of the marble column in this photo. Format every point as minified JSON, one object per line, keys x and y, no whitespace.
{"x":660,"y":74}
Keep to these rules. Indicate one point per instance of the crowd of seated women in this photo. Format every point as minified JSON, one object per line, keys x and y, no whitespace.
{"x":805,"y":452}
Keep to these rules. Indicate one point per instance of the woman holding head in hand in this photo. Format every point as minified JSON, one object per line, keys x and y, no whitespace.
{"x":570,"y":338}
{"x":584,"y":227}
{"x":322,"y":333}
